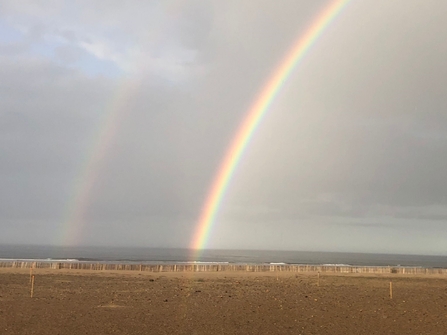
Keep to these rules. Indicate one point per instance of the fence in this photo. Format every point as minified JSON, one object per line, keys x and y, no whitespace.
{"x":222,"y":267}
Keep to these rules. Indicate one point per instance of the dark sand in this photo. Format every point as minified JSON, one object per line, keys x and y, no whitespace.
{"x":87,"y":302}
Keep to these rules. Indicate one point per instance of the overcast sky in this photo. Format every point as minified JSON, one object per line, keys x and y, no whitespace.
{"x":115,"y":116}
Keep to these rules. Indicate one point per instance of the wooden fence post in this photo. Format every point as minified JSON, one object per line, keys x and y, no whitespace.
{"x":32,"y":286}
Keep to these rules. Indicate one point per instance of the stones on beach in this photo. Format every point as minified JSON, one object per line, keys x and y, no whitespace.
{"x":344,"y":303}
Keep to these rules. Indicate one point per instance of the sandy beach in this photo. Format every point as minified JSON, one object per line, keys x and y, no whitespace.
{"x":92,"y":302}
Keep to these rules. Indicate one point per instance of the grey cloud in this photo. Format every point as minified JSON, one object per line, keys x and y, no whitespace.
{"x":354,"y":143}
{"x":69,"y":54}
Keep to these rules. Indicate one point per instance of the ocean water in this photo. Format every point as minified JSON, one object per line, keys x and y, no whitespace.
{"x":161,"y":255}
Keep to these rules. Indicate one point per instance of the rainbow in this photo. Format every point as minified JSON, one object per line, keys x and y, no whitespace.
{"x":254,"y":117}
{"x":86,"y":182}
{"x":74,"y":223}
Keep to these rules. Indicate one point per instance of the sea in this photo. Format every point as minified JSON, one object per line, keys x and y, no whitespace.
{"x":131,"y":255}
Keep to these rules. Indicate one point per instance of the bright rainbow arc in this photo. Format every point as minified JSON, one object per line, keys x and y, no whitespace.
{"x":254,"y":117}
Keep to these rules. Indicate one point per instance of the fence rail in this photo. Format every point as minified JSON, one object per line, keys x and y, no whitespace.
{"x":222,"y":267}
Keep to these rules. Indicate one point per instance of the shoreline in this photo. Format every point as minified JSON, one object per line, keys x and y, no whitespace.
{"x":223,"y":268}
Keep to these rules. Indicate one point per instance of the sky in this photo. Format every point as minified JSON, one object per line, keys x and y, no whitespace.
{"x":115,"y":117}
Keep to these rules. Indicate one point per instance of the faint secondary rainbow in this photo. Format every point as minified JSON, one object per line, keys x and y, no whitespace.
{"x":254,"y":117}
{"x":87,"y":180}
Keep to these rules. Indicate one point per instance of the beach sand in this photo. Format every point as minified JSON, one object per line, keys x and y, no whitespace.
{"x":95,"y":302}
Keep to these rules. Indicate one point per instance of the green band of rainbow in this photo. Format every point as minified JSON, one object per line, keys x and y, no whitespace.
{"x":254,"y":117}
